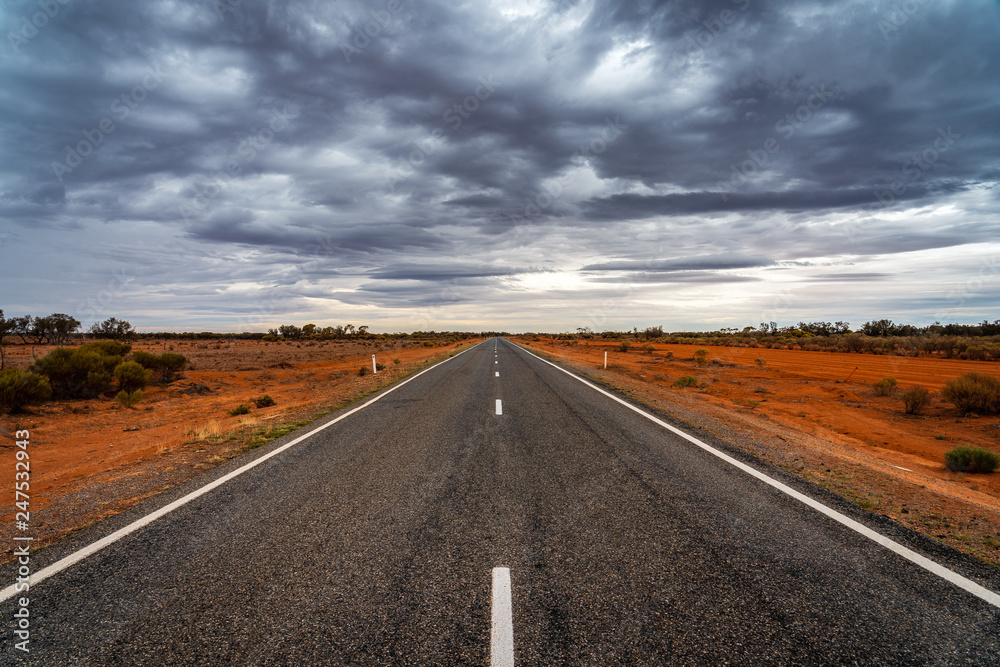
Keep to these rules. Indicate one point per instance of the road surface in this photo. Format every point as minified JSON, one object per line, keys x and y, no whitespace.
{"x":379,"y":541}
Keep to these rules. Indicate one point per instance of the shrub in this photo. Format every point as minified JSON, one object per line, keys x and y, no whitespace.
{"x":171,"y":364}
{"x":108,"y":348}
{"x":19,"y":389}
{"x":264,"y":401}
{"x":428,"y":343}
{"x":395,"y":361}
{"x":915,"y":399}
{"x":648,"y":348}
{"x":132,"y":376}
{"x":971,"y":459}
{"x":974,"y":392}
{"x":885,"y":386}
{"x":686,"y":381}
{"x":623,"y":346}
{"x":668,"y":354}
{"x":241,"y":409}
{"x":701,"y":356}
{"x":81,"y":373}
{"x":379,"y":367}
{"x":363,"y":371}
{"x":128,"y":398}
{"x":760,"y":362}
{"x":146,"y":360}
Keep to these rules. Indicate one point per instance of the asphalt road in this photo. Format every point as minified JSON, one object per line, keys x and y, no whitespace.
{"x":373,"y":543}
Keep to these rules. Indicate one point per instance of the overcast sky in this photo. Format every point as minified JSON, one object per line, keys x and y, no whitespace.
{"x":233,"y":165}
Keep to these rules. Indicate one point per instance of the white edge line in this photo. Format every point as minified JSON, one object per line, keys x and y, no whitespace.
{"x":94,"y":547}
{"x":502,"y":623}
{"x":980,"y":592}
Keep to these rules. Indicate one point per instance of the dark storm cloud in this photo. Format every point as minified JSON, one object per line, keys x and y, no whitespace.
{"x":410,"y":144}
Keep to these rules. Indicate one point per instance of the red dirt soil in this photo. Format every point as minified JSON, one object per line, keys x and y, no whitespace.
{"x":815,"y":413}
{"x":93,"y":458}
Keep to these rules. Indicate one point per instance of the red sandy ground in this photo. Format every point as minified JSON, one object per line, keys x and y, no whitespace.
{"x":816,"y":414}
{"x":93,"y":458}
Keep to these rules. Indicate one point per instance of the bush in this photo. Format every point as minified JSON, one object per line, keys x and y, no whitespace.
{"x":146,"y":360}
{"x":379,"y":367}
{"x":166,"y":365}
{"x":428,"y":343}
{"x":686,"y":381}
{"x":915,"y":399}
{"x":395,"y":361}
{"x":971,"y":459}
{"x":701,"y":356}
{"x":109,"y":348}
{"x":363,"y":371}
{"x":132,"y":376}
{"x":974,"y":392}
{"x":649,"y":349}
{"x":171,"y":364}
{"x":264,"y":401}
{"x":19,"y":389}
{"x":885,"y":386}
{"x":623,"y":346}
{"x":81,"y":373}
{"x":760,"y":362}
{"x":241,"y":409}
{"x":128,"y":398}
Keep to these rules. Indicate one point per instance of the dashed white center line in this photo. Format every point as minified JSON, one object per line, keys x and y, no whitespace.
{"x":502,"y":626}
{"x":499,"y":407}
{"x":496,"y":362}
{"x":498,"y":373}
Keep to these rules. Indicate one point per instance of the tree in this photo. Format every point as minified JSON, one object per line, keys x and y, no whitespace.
{"x":113,"y":328}
{"x":309,"y":330}
{"x":363,"y":330}
{"x":6,"y":327}
{"x":290,"y":331}
{"x":21,"y":326}
{"x":60,"y":326}
{"x":348,"y":329}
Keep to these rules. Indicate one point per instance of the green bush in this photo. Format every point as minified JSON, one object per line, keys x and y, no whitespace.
{"x":241,"y":409}
{"x":128,"y":398}
{"x":171,"y":364}
{"x":166,"y":365}
{"x":971,"y":459}
{"x":132,"y":376}
{"x":686,"y":381}
{"x":974,"y":392}
{"x":81,"y":373}
{"x":264,"y":401}
{"x":885,"y":386}
{"x":623,"y":346}
{"x":428,"y":343}
{"x":915,"y":399}
{"x":108,"y":348}
{"x":147,"y":360}
{"x":19,"y":389}
{"x":701,"y":356}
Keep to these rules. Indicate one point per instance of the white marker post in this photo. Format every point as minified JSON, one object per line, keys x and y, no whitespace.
{"x":605,"y":360}
{"x":374,"y":369}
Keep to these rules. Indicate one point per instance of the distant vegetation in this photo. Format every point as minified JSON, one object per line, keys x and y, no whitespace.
{"x":979,"y":342}
{"x":971,"y":459}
